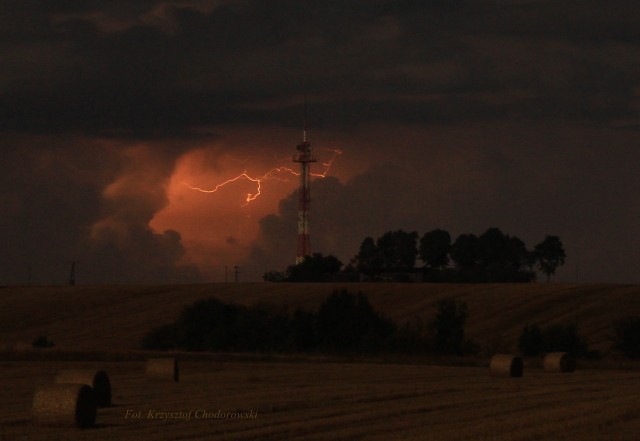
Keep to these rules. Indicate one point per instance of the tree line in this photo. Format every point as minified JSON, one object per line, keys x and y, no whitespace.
{"x":492,"y":256}
{"x":347,"y":323}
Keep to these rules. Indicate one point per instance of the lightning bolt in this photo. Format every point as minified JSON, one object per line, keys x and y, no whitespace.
{"x":327,"y":164}
{"x":273,"y":173}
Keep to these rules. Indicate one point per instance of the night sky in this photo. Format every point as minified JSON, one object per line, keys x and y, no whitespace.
{"x":461,"y":115}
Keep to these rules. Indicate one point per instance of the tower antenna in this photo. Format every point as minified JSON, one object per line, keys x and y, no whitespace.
{"x":304,"y":134}
{"x":305,"y":158}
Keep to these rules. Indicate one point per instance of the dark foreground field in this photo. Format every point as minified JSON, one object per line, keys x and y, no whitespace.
{"x":337,"y":401}
{"x":314,"y":398}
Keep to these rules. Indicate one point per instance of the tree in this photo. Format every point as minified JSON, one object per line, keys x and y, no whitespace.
{"x":207,"y":325}
{"x":508,"y":258}
{"x":315,"y":268}
{"x":565,"y":338}
{"x":368,"y":260}
{"x":464,"y":251}
{"x":558,"y":337}
{"x":434,"y":249}
{"x":303,"y":336}
{"x":531,"y":341}
{"x":347,"y":322}
{"x":519,"y":259}
{"x":492,"y":249}
{"x":492,"y":257}
{"x":449,"y":326}
{"x":398,"y":250}
{"x":549,"y":255}
{"x":274,"y":276}
{"x":627,"y":337}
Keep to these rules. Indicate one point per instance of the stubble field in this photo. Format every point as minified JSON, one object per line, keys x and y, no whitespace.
{"x":316,"y":398}
{"x":336,"y":401}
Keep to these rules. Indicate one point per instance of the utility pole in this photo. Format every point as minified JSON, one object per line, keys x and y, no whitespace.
{"x":236,"y":268}
{"x":72,"y":275}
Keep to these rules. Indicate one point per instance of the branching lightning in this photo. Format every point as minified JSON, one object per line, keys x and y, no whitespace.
{"x":274,"y":173}
{"x":327,"y":164}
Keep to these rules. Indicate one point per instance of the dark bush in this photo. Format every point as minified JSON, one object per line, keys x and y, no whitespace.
{"x":448,"y":325}
{"x":535,"y":341}
{"x":262,"y":328}
{"x":413,"y":337}
{"x":161,"y":338}
{"x":42,"y":342}
{"x":565,"y":338}
{"x":347,"y":322}
{"x":315,"y":268}
{"x":212,"y":325}
{"x":208,"y":325}
{"x":627,"y":337}
{"x":531,"y":341}
{"x":274,"y":276}
{"x":303,"y":335}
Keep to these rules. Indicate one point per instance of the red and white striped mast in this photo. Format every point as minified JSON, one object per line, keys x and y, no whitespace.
{"x":304,"y":199}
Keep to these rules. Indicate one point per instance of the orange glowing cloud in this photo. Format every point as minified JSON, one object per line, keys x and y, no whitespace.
{"x":134,"y":195}
{"x":216,"y":200}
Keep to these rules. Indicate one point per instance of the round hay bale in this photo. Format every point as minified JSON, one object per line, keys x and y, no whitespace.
{"x":64,"y":405}
{"x":162,"y":369}
{"x":506,"y":365}
{"x":98,"y":380}
{"x":559,"y":362}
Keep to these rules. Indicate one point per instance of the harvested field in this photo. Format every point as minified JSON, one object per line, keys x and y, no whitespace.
{"x":336,"y":401}
{"x":318,"y":398}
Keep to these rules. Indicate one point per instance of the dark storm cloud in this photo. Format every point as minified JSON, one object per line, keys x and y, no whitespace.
{"x":66,"y":199}
{"x":168,"y":67}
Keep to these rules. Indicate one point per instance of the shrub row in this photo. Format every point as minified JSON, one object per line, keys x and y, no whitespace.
{"x":344,"y":323}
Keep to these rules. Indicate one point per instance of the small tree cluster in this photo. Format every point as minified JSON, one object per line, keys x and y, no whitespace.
{"x":534,"y":341}
{"x":491,"y":257}
{"x":393,"y":252}
{"x":314,"y":268}
{"x":212,"y":325}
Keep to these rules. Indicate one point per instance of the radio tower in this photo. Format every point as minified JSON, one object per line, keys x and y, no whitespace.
{"x":304,"y":199}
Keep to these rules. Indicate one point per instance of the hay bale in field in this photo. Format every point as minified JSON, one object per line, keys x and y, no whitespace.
{"x":98,"y":380}
{"x":506,"y":365}
{"x":64,"y":405}
{"x":559,"y":362}
{"x":162,"y":369}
